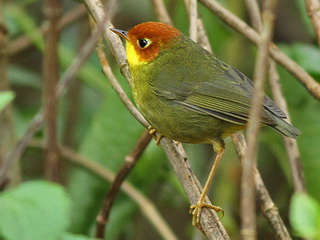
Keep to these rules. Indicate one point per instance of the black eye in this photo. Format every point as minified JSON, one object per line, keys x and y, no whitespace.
{"x":143,"y":42}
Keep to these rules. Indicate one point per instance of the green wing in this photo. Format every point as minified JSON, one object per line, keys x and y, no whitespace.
{"x":209,"y":86}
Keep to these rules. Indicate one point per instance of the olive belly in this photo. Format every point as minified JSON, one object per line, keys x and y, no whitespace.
{"x":188,"y":126}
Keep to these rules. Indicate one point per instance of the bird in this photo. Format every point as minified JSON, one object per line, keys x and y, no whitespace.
{"x":190,"y":96}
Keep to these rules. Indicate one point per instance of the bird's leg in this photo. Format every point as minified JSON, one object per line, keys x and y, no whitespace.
{"x":196,"y":209}
{"x":152,"y":132}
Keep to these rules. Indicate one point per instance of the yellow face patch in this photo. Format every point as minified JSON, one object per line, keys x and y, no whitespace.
{"x":132,"y":55}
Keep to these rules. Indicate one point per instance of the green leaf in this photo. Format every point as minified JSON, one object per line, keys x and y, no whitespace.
{"x":34,"y":210}
{"x":5,"y":98}
{"x":306,"y":55}
{"x":305,"y":216}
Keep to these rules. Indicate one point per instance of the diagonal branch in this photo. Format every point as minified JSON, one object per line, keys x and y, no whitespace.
{"x":268,"y":207}
{"x":313,"y":9}
{"x":130,"y":161}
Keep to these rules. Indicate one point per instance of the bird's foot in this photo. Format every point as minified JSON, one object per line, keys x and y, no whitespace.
{"x":196,"y":210}
{"x":156,"y":137}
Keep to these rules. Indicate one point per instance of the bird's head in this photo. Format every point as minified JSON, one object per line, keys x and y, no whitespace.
{"x":146,"y":40}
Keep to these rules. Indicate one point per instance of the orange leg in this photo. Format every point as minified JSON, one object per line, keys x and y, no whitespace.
{"x":196,"y":209}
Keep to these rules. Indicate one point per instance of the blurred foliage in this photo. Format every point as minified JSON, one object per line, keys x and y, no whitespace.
{"x":26,"y":214}
{"x":98,"y":126}
{"x":305,"y":216}
{"x":5,"y":98}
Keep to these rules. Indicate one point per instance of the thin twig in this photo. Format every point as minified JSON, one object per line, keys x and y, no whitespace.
{"x":203,"y":39}
{"x":146,"y":206}
{"x":247,"y":203}
{"x":130,"y":161}
{"x":313,"y":9}
{"x":192,"y":10}
{"x":161,"y":11}
{"x":290,"y":144}
{"x":255,"y":15}
{"x":52,"y":11}
{"x":14,"y":155}
{"x":292,"y":67}
{"x":68,"y":18}
{"x":268,"y":207}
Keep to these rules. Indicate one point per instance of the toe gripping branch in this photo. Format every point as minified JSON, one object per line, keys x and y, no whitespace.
{"x":156,"y":136}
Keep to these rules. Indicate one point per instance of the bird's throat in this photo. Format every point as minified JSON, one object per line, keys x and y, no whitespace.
{"x":132,"y":56}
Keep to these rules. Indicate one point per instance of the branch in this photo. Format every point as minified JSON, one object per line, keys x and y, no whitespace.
{"x":52,"y":11}
{"x":255,"y":15}
{"x":313,"y":9}
{"x":192,"y":9}
{"x":247,"y":203}
{"x":290,"y":144}
{"x":161,"y":12}
{"x":130,"y":162}
{"x":269,"y":209}
{"x":292,"y":67}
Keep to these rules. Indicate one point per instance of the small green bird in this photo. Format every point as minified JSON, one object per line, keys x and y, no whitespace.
{"x":189,"y":95}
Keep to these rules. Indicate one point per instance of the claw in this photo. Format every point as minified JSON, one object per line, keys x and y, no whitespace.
{"x":196,"y":210}
{"x":157,"y":137}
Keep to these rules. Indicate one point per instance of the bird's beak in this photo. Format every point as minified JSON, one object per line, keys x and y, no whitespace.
{"x":121,"y":33}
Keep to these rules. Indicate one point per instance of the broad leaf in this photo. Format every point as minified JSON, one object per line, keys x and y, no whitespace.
{"x":305,"y":216}
{"x":35,"y":210}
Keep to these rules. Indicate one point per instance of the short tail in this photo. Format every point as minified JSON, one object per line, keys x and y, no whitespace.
{"x":285,"y":128}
